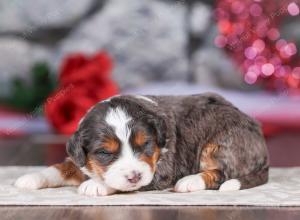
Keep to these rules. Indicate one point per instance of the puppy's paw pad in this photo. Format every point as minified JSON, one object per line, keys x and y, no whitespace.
{"x":230,"y":185}
{"x":93,"y":188}
{"x":31,"y":181}
{"x":190,"y":184}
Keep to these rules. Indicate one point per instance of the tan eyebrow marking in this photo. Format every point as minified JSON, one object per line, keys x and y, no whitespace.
{"x":140,"y":138}
{"x":111,"y":144}
{"x":151,"y":160}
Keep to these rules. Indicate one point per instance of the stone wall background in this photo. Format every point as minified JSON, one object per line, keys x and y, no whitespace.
{"x":149,"y":40}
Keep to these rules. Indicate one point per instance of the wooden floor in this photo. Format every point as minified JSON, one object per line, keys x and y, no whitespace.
{"x":147,"y":213}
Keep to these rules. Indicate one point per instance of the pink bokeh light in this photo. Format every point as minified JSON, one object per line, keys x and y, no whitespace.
{"x":268,"y":69}
{"x":254,"y":40}
{"x":220,"y":41}
{"x":259,"y":45}
{"x":250,"y":53}
{"x":237,"y":7}
{"x":255,"y":10}
{"x":293,"y":9}
{"x":250,"y":78}
{"x":280,"y":43}
{"x":273,"y":34}
{"x":296,"y":73}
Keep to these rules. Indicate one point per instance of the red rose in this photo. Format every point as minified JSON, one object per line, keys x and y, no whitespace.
{"x":79,"y":69}
{"x":83,"y":82}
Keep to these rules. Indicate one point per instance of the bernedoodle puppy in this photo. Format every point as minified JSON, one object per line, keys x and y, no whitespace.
{"x":188,"y":143}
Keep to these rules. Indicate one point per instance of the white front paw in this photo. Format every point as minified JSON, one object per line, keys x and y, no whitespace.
{"x":190,"y":184}
{"x":31,"y":181}
{"x":93,"y":188}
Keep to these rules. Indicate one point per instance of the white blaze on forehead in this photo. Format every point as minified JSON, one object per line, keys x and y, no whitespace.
{"x":118,"y":119}
{"x":145,"y":98}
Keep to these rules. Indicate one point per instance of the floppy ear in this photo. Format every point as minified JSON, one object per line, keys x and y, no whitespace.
{"x":160,"y":127}
{"x":75,"y":149}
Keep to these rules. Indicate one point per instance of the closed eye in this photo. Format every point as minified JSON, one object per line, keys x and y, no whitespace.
{"x":145,"y":147}
{"x":103,"y":152}
{"x":104,"y":157}
{"x":147,"y":143}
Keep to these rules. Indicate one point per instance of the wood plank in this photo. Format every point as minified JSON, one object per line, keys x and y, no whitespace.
{"x":147,"y":213}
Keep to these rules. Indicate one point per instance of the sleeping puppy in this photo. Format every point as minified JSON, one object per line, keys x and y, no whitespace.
{"x":188,"y":143}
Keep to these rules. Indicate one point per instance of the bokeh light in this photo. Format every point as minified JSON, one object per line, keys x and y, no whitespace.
{"x":293,"y":9}
{"x":250,"y":33}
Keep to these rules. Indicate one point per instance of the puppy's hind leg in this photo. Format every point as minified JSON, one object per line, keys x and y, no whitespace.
{"x":63,"y":174}
{"x":210,"y":179}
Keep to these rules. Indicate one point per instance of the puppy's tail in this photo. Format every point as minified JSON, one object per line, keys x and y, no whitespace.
{"x":245,"y":182}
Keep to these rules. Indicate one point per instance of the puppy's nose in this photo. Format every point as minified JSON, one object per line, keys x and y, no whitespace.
{"x":134,"y":177}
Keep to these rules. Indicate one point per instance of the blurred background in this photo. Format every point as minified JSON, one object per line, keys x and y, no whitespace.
{"x":59,"y":58}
